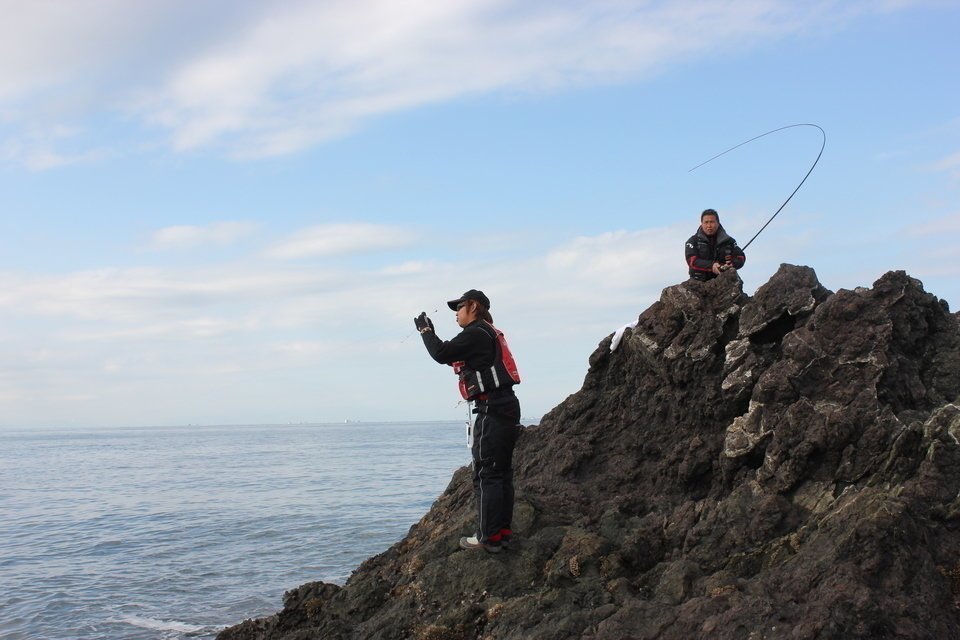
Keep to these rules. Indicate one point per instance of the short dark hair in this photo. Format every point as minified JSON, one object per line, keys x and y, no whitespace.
{"x":710,"y":212}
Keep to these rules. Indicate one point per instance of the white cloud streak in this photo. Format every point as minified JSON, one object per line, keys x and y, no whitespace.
{"x":944,"y":226}
{"x":267,"y":79}
{"x":191,"y":236}
{"x":949,"y":165}
{"x":338,"y":239}
{"x":127,"y":337}
{"x":40,"y":150}
{"x":239,"y":341}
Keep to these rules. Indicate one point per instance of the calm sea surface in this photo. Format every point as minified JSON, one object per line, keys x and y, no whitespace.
{"x":169,"y":533}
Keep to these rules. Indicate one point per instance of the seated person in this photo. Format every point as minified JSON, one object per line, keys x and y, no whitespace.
{"x":710,"y":250}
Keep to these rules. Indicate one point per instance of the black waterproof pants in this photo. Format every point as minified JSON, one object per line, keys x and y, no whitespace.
{"x":495,"y":432}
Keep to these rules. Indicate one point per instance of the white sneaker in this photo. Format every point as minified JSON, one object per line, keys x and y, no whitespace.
{"x":474,"y":543}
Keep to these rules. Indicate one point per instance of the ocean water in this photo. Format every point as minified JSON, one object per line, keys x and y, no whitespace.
{"x":170,"y":533}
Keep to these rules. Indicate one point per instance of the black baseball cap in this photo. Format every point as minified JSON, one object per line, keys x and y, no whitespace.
{"x":473,"y":294}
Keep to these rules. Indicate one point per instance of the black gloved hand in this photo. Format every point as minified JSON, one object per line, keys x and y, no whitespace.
{"x":422,"y":322}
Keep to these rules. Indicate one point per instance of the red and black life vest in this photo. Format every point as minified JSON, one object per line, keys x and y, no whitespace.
{"x":503,"y":374}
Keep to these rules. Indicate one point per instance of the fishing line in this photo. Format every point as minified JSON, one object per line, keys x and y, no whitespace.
{"x":789,"y":126}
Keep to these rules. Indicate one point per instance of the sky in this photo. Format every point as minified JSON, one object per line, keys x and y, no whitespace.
{"x":230,"y":212}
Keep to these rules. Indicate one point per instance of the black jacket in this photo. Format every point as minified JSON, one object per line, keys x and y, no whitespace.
{"x":476,"y":346}
{"x":473,"y":345}
{"x":703,"y":250}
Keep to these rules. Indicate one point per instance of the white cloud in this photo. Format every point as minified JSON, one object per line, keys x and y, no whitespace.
{"x":241,"y":341}
{"x":266,"y":79}
{"x":408,"y":268}
{"x":44,"y":44}
{"x":337,"y":239}
{"x":40,"y":150}
{"x":132,"y":338}
{"x":949,"y":164}
{"x":934,"y":229}
{"x":189,"y":236}
{"x":620,"y":258}
{"x":338,"y":63}
{"x":140,"y":295}
{"x":187,"y":329}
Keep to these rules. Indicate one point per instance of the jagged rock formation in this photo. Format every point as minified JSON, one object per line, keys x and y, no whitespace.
{"x":781,"y":466}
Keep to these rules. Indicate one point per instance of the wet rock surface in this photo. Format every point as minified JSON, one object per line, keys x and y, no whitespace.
{"x":785,"y":465}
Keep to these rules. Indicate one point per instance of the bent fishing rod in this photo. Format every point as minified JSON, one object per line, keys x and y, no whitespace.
{"x":789,"y":126}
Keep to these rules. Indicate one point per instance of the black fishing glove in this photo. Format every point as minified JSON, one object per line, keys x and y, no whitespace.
{"x":423,"y":322}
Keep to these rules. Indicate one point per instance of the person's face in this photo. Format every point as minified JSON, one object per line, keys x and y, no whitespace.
{"x":710,"y":224}
{"x":466,"y":313}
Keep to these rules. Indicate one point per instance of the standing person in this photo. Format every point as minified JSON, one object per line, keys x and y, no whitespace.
{"x":480,"y":356}
{"x":710,"y":250}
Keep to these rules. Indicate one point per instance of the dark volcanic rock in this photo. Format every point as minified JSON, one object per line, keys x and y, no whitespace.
{"x":781,"y":466}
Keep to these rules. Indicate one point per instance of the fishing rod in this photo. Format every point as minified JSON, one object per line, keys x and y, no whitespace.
{"x":789,"y":126}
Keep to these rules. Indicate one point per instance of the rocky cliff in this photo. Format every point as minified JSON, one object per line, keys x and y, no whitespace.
{"x":785,"y":465}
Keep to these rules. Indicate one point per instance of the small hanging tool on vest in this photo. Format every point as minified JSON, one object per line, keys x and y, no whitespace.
{"x":469,"y":425}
